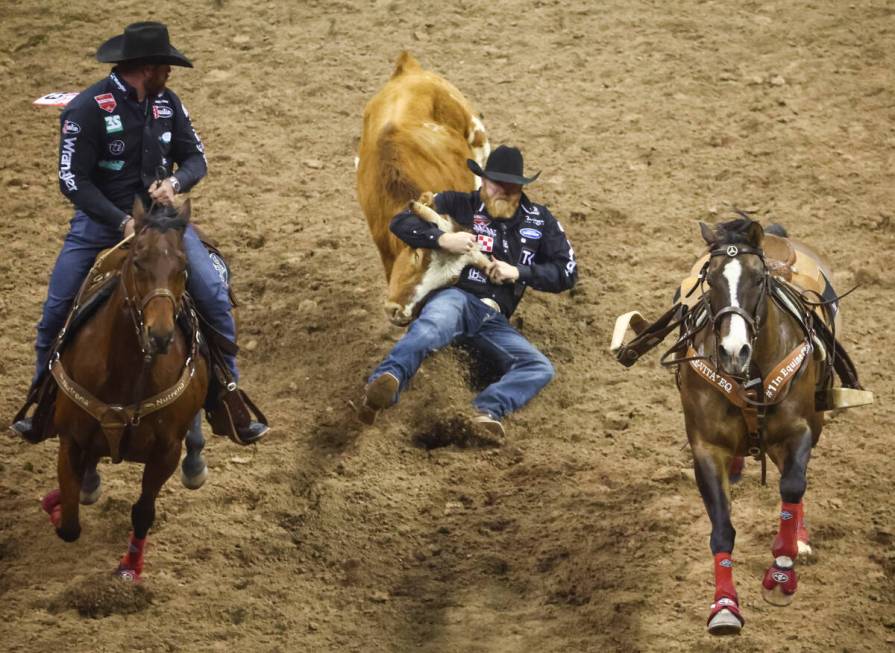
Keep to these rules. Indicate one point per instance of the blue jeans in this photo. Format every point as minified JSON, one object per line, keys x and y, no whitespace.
{"x":208,"y":282}
{"x":454,"y":315}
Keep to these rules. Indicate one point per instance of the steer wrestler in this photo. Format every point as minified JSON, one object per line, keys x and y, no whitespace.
{"x":527,"y":246}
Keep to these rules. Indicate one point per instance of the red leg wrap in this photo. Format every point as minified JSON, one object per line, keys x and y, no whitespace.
{"x":724,"y":577}
{"x":131,"y":565}
{"x":785,"y":544}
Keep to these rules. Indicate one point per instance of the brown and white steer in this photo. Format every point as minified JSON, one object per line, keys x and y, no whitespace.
{"x":418,"y":132}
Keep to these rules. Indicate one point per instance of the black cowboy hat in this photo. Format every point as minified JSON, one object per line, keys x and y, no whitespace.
{"x":504,"y":164}
{"x":148,"y":41}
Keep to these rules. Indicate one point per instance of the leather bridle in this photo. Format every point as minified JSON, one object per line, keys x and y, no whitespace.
{"x":754,"y":320}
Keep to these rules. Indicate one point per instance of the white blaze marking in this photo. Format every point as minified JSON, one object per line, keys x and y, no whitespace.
{"x":738,"y":335}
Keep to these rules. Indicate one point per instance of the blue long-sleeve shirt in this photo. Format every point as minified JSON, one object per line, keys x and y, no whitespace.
{"x":111,"y":146}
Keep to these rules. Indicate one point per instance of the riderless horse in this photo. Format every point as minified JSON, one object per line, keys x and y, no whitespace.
{"x":754,"y":365}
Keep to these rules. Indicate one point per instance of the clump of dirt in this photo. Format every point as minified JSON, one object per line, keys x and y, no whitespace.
{"x":449,"y":428}
{"x":99,"y":596}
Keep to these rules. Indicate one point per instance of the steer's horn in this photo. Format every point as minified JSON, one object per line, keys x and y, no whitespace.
{"x":424,"y":212}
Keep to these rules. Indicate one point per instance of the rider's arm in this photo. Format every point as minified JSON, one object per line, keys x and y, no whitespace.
{"x":78,"y":147}
{"x":415,"y":231}
{"x":186,"y":149}
{"x":554,"y":268}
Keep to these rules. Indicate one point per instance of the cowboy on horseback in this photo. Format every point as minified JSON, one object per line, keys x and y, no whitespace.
{"x":116,"y":136}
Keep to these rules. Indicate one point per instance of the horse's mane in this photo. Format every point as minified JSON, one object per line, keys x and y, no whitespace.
{"x":163,"y":218}
{"x":734,"y":232}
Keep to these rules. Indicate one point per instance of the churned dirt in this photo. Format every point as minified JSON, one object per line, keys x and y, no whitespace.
{"x":585,"y":532}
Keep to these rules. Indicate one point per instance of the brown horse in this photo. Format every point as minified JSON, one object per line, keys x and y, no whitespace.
{"x":747,"y":382}
{"x":130,"y":381}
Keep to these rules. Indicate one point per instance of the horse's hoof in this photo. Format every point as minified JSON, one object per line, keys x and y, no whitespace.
{"x":128,"y":575}
{"x":724,"y":622}
{"x":68,"y":536}
{"x":806,"y":553}
{"x":776,"y":596}
{"x":779,"y":585}
{"x":195,"y":481}
{"x":89,"y":497}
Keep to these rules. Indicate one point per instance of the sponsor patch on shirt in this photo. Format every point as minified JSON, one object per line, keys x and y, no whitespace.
{"x":113,"y":124}
{"x":162,"y":112}
{"x":527,"y":257}
{"x":527,"y":232}
{"x":111,"y":165}
{"x":478,"y":218}
{"x":116,"y":147}
{"x":484,"y":229}
{"x":475,"y":275}
{"x":165,"y":137}
{"x":70,"y":127}
{"x":537,"y":222}
{"x":106,"y":102}
{"x":486,"y":243}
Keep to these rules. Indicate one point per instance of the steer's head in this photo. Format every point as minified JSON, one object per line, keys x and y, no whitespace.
{"x":406,"y":288}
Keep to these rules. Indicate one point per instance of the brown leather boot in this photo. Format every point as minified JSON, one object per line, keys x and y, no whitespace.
{"x":232,"y":417}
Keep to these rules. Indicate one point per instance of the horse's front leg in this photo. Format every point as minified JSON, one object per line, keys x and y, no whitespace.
{"x":91,"y":484}
{"x":158,"y":469}
{"x":711,"y":465}
{"x":780,"y":582}
{"x":62,"y":504}
{"x":193,"y":469}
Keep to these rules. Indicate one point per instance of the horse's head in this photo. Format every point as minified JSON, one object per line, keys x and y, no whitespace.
{"x":156,"y":273}
{"x":738,"y":286}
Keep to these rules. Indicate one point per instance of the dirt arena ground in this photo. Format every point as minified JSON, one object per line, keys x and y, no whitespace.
{"x":585,"y":532}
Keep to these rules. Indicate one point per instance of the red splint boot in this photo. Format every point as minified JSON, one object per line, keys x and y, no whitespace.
{"x":779,"y":584}
{"x":131,"y":566}
{"x":51,"y":504}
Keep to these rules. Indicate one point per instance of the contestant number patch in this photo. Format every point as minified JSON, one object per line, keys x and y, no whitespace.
{"x":113,"y":124}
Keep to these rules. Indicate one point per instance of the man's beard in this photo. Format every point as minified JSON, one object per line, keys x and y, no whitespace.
{"x":502,"y":207}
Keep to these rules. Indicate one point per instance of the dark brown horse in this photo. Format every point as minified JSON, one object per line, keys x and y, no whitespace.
{"x":747,"y":382}
{"x":130,"y":382}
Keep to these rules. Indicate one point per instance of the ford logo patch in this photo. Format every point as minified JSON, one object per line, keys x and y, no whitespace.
{"x":534,"y":234}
